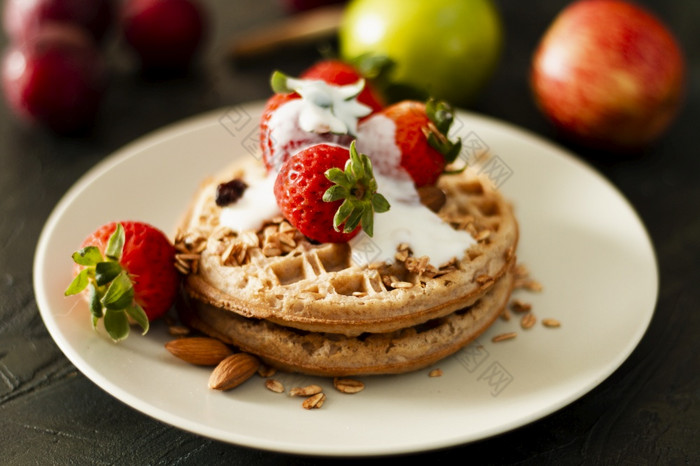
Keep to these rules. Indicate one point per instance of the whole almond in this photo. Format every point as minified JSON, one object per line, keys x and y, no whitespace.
{"x":201,"y":351}
{"x":233,"y":371}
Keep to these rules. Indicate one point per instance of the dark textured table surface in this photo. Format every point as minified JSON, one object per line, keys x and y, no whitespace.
{"x":647,"y":412}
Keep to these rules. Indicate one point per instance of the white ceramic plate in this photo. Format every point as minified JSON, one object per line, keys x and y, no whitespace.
{"x":579,"y":237}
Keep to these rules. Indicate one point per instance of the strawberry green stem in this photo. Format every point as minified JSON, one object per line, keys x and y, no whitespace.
{"x":110,"y":291}
{"x":357,"y":188}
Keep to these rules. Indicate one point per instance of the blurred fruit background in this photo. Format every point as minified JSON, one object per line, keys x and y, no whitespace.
{"x":605,"y":74}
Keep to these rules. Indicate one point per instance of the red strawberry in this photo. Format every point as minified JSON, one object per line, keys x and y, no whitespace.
{"x":329,"y":193}
{"x":128,"y":271}
{"x":341,"y":74}
{"x":421,"y":137}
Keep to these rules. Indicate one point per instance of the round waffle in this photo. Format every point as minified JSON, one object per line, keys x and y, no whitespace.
{"x":278,"y":275}
{"x":335,"y":355}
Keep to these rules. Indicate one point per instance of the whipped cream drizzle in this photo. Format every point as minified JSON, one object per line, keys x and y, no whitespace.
{"x":407,"y":221}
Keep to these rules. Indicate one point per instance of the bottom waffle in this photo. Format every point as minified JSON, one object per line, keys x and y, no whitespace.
{"x":327,"y":354}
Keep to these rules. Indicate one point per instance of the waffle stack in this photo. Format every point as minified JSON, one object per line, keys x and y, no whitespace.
{"x":317,"y":309}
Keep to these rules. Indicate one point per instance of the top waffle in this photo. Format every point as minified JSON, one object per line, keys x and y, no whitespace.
{"x":279,"y":275}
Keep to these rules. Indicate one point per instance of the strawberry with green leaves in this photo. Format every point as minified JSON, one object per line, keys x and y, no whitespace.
{"x":127,"y":273}
{"x":420,"y":135}
{"x":329,"y":193}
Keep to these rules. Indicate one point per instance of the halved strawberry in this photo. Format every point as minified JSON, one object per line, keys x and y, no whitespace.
{"x":329,"y":193}
{"x":420,"y":136}
{"x":128,"y":272}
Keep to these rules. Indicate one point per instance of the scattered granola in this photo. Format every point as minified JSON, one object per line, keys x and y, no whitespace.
{"x":523,"y":280}
{"x":349,"y":386}
{"x":528,"y":320}
{"x":505,"y":315}
{"x":418,"y":265}
{"x":178,"y":330}
{"x":266,"y":371}
{"x":306,"y":391}
{"x":551,"y":323}
{"x":274,"y":385}
{"x":530,"y":284}
{"x":315,"y":401}
{"x":435,"y":373}
{"x":504,"y":337}
{"x":401,"y":256}
{"x":519,"y":306}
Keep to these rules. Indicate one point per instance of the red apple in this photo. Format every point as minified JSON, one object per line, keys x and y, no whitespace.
{"x":164,"y":34}
{"x":55,"y":79}
{"x":608,"y":74}
{"x":22,"y":18}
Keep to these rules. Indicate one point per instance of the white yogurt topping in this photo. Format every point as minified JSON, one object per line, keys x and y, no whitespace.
{"x":251,"y":210}
{"x":408,"y":221}
{"x":327,"y":108}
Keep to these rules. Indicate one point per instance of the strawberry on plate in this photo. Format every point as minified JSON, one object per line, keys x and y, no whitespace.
{"x":419,"y":139}
{"x":329,"y":193}
{"x":127,"y":271}
{"x":324,"y":106}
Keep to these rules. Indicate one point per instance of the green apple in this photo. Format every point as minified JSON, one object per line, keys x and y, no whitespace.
{"x":446,"y":49}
